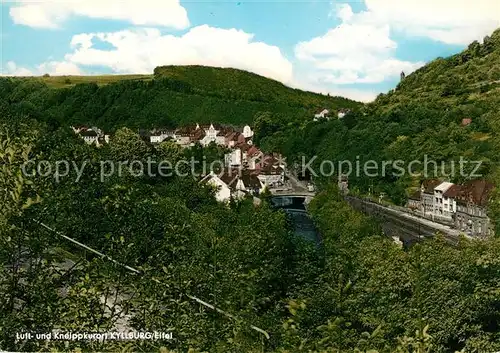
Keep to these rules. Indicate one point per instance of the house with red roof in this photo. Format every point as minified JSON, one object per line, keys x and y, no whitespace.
{"x":233,"y":184}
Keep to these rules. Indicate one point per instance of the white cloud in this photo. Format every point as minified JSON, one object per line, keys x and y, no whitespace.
{"x":52,"y":13}
{"x":361,"y":50}
{"x":53,"y":68}
{"x":59,"y":68}
{"x":11,"y":69}
{"x":314,"y":84}
{"x":448,"y":21}
{"x":353,"y":53}
{"x":141,"y":50}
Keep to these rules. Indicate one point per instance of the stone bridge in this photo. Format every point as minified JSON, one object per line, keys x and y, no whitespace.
{"x":288,"y":197}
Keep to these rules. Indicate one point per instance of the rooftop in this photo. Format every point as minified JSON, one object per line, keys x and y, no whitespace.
{"x":475,"y":191}
{"x":443,"y":186}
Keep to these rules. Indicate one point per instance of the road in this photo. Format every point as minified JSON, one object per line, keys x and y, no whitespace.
{"x":293,"y":187}
{"x":296,"y":184}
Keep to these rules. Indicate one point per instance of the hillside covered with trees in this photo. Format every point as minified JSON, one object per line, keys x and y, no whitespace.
{"x":176,"y":95}
{"x":423,"y":116}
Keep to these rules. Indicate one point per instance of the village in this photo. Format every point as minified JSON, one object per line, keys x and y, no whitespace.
{"x":247,"y":170}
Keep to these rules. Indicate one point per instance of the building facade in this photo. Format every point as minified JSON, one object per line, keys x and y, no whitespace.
{"x":427,"y":193}
{"x":471,"y":213}
{"x":444,"y":206}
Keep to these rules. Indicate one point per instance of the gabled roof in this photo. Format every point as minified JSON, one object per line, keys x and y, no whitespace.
{"x":243,"y":146}
{"x":270,"y":169}
{"x":231,"y":178}
{"x":90,"y":133}
{"x":197,"y":135}
{"x":250,"y":180}
{"x":215,"y":126}
{"x":224,"y":130}
{"x":162,"y":131}
{"x":466,"y":121}
{"x":452,"y":191}
{"x":443,"y":186}
{"x":253,"y":151}
{"x":187,"y":130}
{"x":233,"y":136}
{"x":476,"y":192}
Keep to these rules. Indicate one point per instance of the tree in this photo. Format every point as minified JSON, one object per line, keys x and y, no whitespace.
{"x":128,"y":146}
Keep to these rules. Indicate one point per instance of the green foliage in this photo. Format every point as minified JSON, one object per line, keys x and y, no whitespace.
{"x":358,"y":292}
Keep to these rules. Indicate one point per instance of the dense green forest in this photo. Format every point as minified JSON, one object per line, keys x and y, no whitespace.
{"x":177,"y":95}
{"x":421,"y":117}
{"x":357,"y":292}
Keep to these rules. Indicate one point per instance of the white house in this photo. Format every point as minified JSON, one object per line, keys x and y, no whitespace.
{"x":183,"y":135}
{"x":233,"y":184}
{"x":212,"y":134}
{"x":342,"y":113}
{"x":223,"y":193}
{"x":78,"y":129}
{"x":443,"y":205}
{"x":158,"y":136}
{"x":322,"y":115}
{"x":427,"y":195}
{"x":234,"y":158}
{"x":90,"y":136}
{"x":247,"y":131}
{"x":255,"y":161}
{"x":272,"y":176}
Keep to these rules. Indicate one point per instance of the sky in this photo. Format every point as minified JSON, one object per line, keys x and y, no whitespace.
{"x":356,"y":49}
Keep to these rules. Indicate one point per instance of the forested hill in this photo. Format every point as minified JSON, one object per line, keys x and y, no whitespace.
{"x":465,"y":78}
{"x":175,"y":95}
{"x":242,"y":85}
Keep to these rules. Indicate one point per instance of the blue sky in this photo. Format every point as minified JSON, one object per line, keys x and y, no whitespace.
{"x":350,"y":48}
